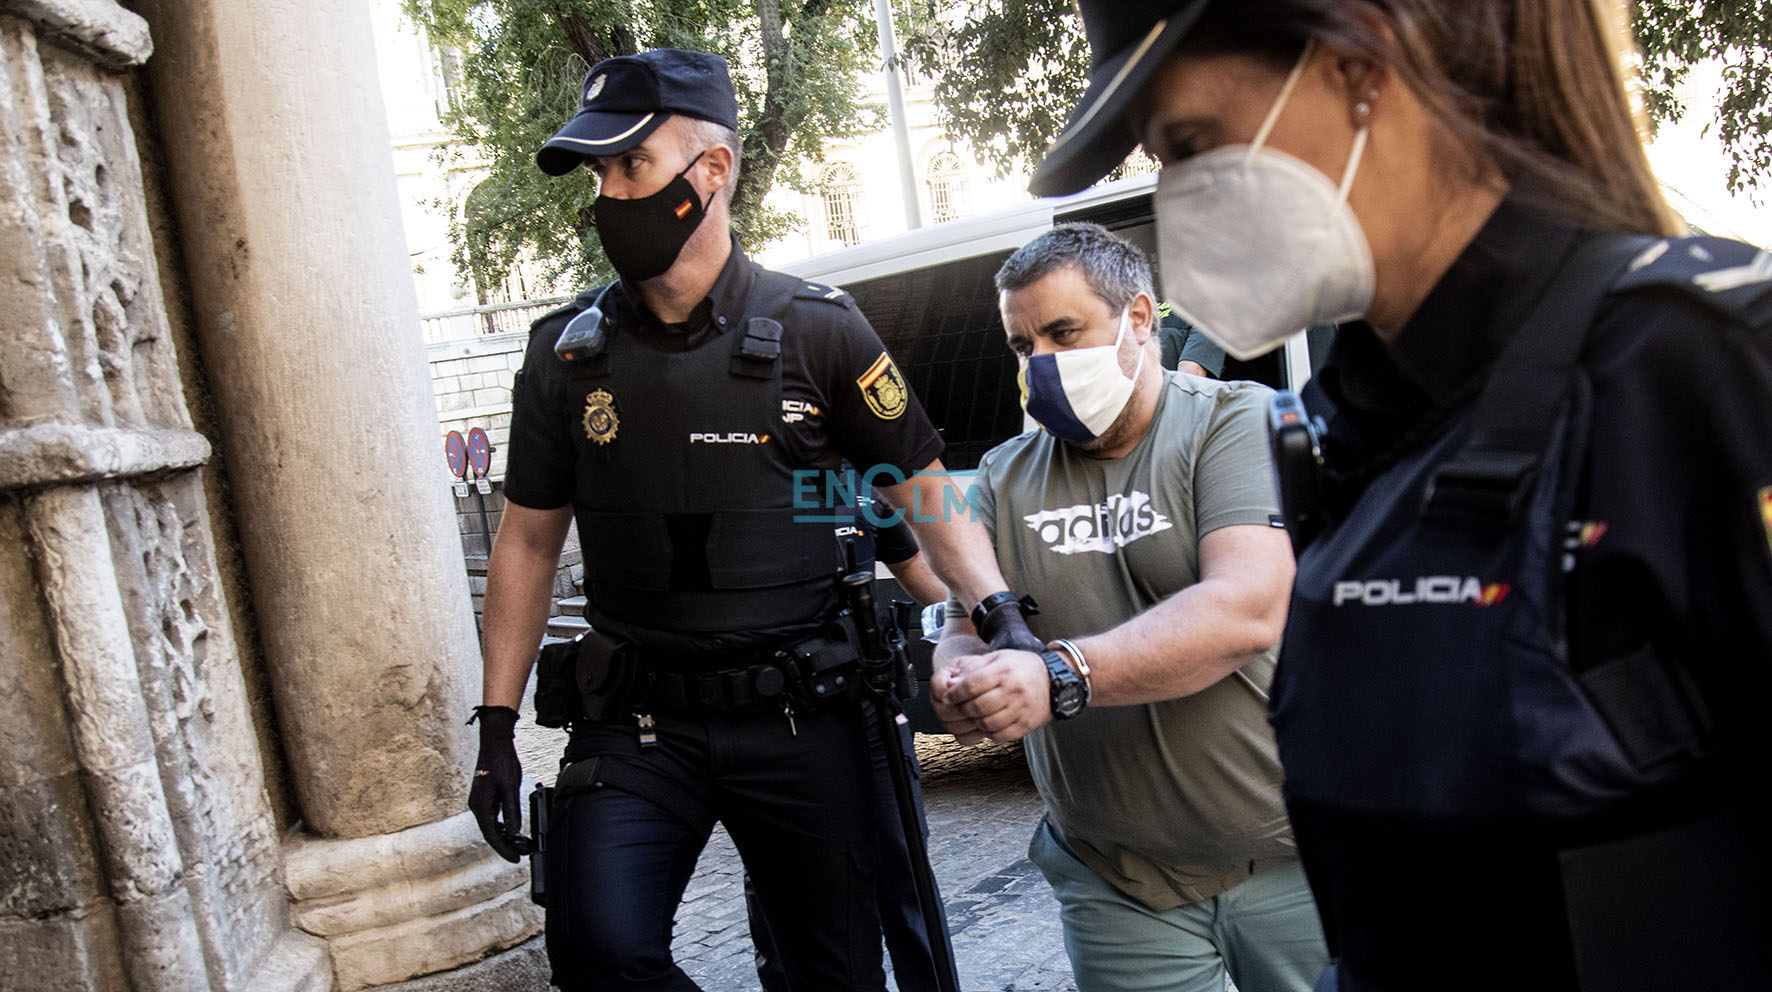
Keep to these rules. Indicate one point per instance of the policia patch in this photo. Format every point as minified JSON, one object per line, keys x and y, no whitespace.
{"x":600,"y":420}
{"x":884,"y":389}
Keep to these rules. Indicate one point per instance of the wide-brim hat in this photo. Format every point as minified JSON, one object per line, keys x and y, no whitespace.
{"x":626,"y":98}
{"x":1127,"y":42}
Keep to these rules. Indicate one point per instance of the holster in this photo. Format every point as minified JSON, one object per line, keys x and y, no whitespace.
{"x":609,"y":676}
{"x":556,"y":684}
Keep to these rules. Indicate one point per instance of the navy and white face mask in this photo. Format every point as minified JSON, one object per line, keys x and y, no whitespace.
{"x":1077,"y":394}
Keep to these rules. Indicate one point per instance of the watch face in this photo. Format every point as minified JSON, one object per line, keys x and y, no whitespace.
{"x":1068,"y":701}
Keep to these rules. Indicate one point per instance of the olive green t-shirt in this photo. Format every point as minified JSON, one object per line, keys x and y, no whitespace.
{"x":1169,"y":801}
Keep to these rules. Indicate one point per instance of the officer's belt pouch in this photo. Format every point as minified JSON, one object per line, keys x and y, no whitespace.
{"x":609,"y":675}
{"x":754,"y":549}
{"x":829,"y":668}
{"x":627,"y":550}
{"x":556,"y":684}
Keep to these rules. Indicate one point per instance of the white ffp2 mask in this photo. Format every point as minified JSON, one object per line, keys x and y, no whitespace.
{"x":1257,"y":245}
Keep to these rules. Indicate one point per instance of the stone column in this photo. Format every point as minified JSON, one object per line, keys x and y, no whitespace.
{"x":280,"y":172}
{"x":137,"y":847}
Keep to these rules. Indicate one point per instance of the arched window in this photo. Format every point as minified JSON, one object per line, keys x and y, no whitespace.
{"x":1137,"y":164}
{"x":840,"y":184}
{"x":947,"y":187}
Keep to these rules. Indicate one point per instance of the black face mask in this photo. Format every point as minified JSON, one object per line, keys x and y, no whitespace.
{"x":643,"y":236}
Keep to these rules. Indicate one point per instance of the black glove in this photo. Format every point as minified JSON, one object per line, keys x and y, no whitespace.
{"x":498,"y":783}
{"x":1001,"y":620}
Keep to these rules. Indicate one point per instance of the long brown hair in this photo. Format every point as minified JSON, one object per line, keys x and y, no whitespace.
{"x":1533,"y":86}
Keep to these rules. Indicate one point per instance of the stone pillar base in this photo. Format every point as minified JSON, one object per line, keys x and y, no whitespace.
{"x":298,"y":963}
{"x":396,"y":906}
{"x":523,"y":968}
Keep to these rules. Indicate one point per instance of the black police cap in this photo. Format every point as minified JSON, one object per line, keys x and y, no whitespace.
{"x":1128,"y":40}
{"x":626,"y":98}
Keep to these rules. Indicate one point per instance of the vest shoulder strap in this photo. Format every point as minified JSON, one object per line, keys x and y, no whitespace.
{"x":757,"y":348}
{"x":1726,"y":276}
{"x":1487,"y":483}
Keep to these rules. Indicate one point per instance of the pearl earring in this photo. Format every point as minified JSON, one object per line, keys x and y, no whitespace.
{"x":1363,"y":109}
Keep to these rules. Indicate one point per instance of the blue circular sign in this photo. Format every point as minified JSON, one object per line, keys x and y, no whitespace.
{"x":455,"y":449}
{"x":479,"y":451}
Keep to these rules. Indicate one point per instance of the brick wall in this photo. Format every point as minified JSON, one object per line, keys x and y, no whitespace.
{"x":471,"y":379}
{"x":472,"y":383}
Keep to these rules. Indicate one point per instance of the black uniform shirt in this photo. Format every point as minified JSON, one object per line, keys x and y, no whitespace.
{"x":828,"y":350}
{"x":1679,"y":463}
{"x":1672,"y":550}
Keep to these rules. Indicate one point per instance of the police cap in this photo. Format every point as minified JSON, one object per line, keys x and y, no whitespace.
{"x":626,"y":98}
{"x":1128,"y":40}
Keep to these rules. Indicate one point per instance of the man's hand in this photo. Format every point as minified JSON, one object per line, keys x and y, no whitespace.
{"x":495,"y":794}
{"x":1004,"y":695}
{"x":966,"y":730}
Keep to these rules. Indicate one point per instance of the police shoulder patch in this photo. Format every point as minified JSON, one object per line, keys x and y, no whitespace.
{"x":884,"y":390}
{"x":827,"y":294}
{"x":1723,"y":274}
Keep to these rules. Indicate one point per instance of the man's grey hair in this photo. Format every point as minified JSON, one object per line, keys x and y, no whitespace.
{"x":1113,"y":267}
{"x":698,"y":134}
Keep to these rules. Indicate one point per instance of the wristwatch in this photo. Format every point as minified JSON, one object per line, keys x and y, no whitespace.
{"x":1068,"y":695}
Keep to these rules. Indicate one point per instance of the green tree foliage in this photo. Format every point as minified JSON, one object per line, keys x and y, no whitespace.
{"x":1008,"y":71}
{"x":1005,"y":73}
{"x":797,"y":66}
{"x":1675,"y":34}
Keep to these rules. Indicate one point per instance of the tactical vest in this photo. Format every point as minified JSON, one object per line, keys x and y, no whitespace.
{"x":1426,"y":673}
{"x":685,"y":495}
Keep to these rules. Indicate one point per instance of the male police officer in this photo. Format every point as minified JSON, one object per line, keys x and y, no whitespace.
{"x":718,"y":681}
{"x":1140,"y":519}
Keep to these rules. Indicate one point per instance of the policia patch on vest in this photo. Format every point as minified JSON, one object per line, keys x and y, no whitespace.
{"x":884,"y":389}
{"x":600,"y":420}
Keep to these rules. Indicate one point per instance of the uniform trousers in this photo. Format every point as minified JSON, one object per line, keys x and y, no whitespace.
{"x":901,"y":913}
{"x":797,"y":800}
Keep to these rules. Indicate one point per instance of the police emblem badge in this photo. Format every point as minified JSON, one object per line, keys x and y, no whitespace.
{"x":884,"y":389}
{"x":596,"y":87}
{"x":600,"y":419}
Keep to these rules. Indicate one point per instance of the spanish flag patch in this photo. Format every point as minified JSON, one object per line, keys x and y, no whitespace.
{"x":1766,"y":514}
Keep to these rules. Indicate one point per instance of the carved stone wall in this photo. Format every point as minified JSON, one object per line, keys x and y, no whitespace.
{"x":140,"y":847}
{"x":137,"y":848}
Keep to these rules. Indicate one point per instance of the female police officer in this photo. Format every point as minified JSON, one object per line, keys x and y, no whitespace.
{"x":1517,"y":700}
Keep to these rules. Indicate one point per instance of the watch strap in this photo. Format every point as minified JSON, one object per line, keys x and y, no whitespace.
{"x":1059,"y":674}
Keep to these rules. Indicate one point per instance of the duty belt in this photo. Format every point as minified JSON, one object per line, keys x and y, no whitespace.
{"x":726,"y":689}
{"x":816,"y":670}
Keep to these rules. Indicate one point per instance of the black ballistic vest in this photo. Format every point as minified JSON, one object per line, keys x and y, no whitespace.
{"x":1426,"y":677}
{"x":685,"y":487}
